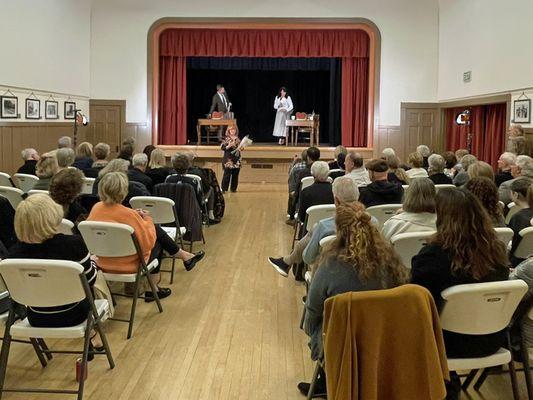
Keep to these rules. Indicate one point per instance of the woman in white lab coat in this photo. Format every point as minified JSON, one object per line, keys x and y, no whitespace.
{"x":284,"y":107}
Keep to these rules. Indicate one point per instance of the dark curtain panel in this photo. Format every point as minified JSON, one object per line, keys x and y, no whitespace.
{"x":314,"y":84}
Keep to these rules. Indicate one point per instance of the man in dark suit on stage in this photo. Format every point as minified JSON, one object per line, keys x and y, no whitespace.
{"x":221,"y":104}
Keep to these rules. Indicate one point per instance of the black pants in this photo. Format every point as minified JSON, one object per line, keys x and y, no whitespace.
{"x":162,"y":243}
{"x":233,"y":175}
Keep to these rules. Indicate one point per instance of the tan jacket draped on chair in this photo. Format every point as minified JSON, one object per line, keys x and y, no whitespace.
{"x":384,"y":345}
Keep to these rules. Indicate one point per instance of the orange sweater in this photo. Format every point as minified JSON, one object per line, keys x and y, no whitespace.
{"x":144,"y":230}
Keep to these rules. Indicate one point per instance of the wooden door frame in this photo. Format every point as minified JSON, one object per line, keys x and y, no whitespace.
{"x":364,"y":24}
{"x":119,"y":103}
{"x":403,"y":122}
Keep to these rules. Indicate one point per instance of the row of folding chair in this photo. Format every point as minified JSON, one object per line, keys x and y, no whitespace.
{"x":26,"y":182}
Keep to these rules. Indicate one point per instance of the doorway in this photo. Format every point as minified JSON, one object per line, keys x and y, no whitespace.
{"x":107,"y":123}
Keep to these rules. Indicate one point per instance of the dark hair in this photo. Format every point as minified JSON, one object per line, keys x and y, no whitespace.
{"x":181,"y":163}
{"x":66,"y":185}
{"x":377,"y":165}
{"x":521,"y":186}
{"x":148,"y":150}
{"x":487,"y":193}
{"x":313,"y":154}
{"x":284,"y":89}
{"x":450,"y":158}
{"x":466,"y":233}
{"x":340,"y":160}
{"x":219,"y":86}
{"x":126,"y":152}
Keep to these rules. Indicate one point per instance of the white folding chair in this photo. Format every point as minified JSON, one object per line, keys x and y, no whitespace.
{"x":335,"y":171}
{"x":504,"y":234}
{"x":445,"y":186}
{"x":525,"y":248}
{"x":405,"y":187}
{"x":482,"y":309}
{"x":35,"y":191}
{"x":383,"y":212}
{"x":50,"y":283}
{"x":25,"y":182}
{"x":5,"y":180}
{"x":409,"y":244}
{"x":316,"y":214}
{"x":162,"y":211}
{"x":66,"y":227}
{"x":108,"y":239}
{"x":13,"y":195}
{"x":87,"y":187}
{"x":306,"y":181}
{"x":513,"y":209}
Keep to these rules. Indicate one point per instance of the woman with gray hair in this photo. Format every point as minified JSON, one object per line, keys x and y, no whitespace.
{"x":425,"y":152}
{"x":437,"y":164}
{"x":418,"y":213}
{"x":319,"y":192}
{"x":46,"y":168}
{"x":65,"y":157}
{"x":462,"y":176}
{"x":121,"y":165}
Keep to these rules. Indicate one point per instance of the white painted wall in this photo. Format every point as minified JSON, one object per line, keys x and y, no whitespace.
{"x":409,"y":30}
{"x":492,"y":38}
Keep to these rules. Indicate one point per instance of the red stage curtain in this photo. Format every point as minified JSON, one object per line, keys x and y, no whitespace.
{"x":487,"y":129}
{"x":354,"y":100}
{"x":177,"y":44}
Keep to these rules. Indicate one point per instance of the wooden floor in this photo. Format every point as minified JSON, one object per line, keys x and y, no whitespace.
{"x":229,"y":330}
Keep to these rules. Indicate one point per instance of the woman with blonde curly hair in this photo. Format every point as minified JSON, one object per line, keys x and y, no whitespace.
{"x":358,"y":259}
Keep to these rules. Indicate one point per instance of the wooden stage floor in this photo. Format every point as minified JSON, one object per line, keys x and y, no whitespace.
{"x":229,"y":331}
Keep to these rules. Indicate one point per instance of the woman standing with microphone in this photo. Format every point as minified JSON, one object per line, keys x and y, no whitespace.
{"x":284,"y":107}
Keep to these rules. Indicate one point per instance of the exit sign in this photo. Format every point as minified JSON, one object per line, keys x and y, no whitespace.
{"x":467,"y":76}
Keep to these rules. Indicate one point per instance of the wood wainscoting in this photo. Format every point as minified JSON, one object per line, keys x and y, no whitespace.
{"x":141,"y":132}
{"x":42,"y":136}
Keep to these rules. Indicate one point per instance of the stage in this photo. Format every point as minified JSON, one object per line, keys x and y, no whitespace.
{"x":261,"y":162}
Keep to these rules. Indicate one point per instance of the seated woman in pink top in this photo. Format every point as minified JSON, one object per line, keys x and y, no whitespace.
{"x":112,"y":190}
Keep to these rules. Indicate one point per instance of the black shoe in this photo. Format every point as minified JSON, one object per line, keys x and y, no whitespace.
{"x":214,"y":221}
{"x":192,"y":262}
{"x":161,"y":293}
{"x":320,"y":389}
{"x":291,"y":222}
{"x":281,"y":266}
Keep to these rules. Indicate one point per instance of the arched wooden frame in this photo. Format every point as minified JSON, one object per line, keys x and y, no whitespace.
{"x":264,"y":23}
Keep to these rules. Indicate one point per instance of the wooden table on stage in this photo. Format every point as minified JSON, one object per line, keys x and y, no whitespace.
{"x":212,"y":122}
{"x":295,"y":124}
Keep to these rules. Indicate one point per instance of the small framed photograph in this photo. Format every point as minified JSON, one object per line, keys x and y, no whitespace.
{"x":70,"y":110}
{"x":33,"y":109}
{"x":9,"y":107}
{"x":51,"y":109}
{"x":522,"y":111}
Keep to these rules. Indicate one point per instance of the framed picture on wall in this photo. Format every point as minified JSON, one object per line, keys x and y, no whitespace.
{"x":522,"y":111}
{"x":51,"y":109}
{"x":33,"y":109}
{"x":9,"y":107}
{"x":70,"y":110}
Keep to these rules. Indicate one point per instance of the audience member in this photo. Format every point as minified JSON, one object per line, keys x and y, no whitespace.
{"x":121,"y":165}
{"x":64,"y":142}
{"x":418,"y":211}
{"x":524,"y":327}
{"x":462,"y":169}
{"x":319,"y":192}
{"x":380,"y":191}
{"x":387,"y":152}
{"x":416,"y":162}
{"x":358,"y":259}
{"x":355,"y":169}
{"x":7,"y":226}
{"x":84,"y":156}
{"x":336,"y":153}
{"x":396,"y":173}
{"x":65,"y":188}
{"x":137,"y":173}
{"x":460,"y":153}
{"x":517,"y":142}
{"x":312,"y":155}
{"x":46,"y":168}
{"x":298,"y":164}
{"x":436,"y":167}
{"x":37,"y":221}
{"x":465,"y":249}
{"x":451,"y":162}
{"x":344,"y":191}
{"x":101,"y":152}
{"x":425,"y":152}
{"x":523,"y":168}
{"x":157,"y":169}
{"x":127,"y":149}
{"x":30,"y":157}
{"x":480,"y":168}
{"x":65,"y":157}
{"x":148,"y":151}
{"x":522,"y":195}
{"x":207,"y":190}
{"x":505,"y":162}
{"x":112,"y":190}
{"x":341,"y":171}
{"x":487,"y":193}
{"x":231,"y":160}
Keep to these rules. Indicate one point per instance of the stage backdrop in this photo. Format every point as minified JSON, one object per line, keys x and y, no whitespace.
{"x":314,"y":84}
{"x":350,"y":46}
